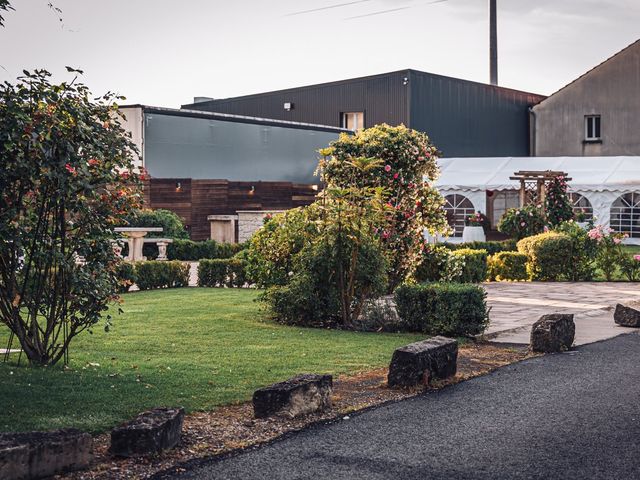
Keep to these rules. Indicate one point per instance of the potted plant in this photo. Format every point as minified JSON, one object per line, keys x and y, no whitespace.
{"x":474,"y":228}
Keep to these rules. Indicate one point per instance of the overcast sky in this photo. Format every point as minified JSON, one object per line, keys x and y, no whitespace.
{"x":164,"y":53}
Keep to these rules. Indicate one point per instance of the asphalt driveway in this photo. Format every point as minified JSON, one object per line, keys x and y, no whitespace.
{"x":573,"y":416}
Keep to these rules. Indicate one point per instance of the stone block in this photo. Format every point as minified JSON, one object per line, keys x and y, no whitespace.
{"x":627,"y":314}
{"x":297,"y":396}
{"x":150,"y":432}
{"x":553,"y":333}
{"x":419,"y":363}
{"x":32,"y":455}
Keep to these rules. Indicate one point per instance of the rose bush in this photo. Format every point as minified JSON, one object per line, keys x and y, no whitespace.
{"x":409,"y":168}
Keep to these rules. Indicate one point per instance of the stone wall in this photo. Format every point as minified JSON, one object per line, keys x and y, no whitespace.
{"x":251,"y":220}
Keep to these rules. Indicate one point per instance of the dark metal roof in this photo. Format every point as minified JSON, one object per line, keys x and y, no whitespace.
{"x":236,"y":118}
{"x":354,"y":80}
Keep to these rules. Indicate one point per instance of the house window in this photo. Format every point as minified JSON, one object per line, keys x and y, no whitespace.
{"x":352,"y":120}
{"x":592,"y":128}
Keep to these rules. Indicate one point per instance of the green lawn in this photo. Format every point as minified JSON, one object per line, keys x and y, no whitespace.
{"x":198,"y":348}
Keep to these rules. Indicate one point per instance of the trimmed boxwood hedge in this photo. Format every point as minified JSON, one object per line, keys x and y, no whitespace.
{"x":453,"y":309}
{"x":188,"y":250}
{"x":155,"y":274}
{"x":549,"y":255}
{"x":227,"y":272}
{"x":508,"y":266}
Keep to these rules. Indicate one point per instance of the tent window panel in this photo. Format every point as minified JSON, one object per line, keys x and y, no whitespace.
{"x":457,"y":208}
{"x":503,"y":201}
{"x":625,"y":214}
{"x":581,"y":206}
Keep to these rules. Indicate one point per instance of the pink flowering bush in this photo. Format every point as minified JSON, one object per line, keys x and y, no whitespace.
{"x":409,"y":168}
{"x":609,"y":254}
{"x":522,"y":222}
{"x":630,"y":267}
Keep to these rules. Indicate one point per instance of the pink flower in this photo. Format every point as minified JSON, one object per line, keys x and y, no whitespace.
{"x":387,"y":168}
{"x":70,"y":169}
{"x":636,"y":257}
{"x":522,"y":224}
{"x":617,"y":241}
{"x":395,"y":176}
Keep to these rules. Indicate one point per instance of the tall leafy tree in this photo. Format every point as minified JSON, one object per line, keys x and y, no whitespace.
{"x":67,"y":179}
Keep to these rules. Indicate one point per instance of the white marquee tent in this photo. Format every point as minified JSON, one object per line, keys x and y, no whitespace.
{"x":610,"y":186}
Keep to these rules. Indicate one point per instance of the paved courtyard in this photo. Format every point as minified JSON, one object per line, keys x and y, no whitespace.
{"x":515,"y":306}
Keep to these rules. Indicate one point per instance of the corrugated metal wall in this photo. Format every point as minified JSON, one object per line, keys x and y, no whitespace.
{"x":200,"y":148}
{"x":463,"y":118}
{"x":468,"y":119}
{"x":383,"y":98}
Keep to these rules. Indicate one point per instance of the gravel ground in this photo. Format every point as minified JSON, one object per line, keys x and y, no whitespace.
{"x":572,"y":416}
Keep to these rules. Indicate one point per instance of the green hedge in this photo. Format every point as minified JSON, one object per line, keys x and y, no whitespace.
{"x":188,"y":250}
{"x":508,"y":266}
{"x":228,"y":272}
{"x":451,"y":309}
{"x":548,"y":254}
{"x":475,"y":265}
{"x":153,"y":274}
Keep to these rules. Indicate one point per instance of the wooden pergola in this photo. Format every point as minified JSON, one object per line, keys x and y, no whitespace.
{"x":533,"y":184}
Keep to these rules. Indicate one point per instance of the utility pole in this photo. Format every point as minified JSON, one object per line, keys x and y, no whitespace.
{"x":493,"y":42}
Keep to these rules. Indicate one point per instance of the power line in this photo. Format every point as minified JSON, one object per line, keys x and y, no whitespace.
{"x":382,"y":12}
{"x":328,"y":7}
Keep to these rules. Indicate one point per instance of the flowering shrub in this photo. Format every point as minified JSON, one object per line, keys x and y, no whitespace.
{"x":67,"y":180}
{"x":609,"y":249}
{"x":407,"y":158}
{"x":630,"y":267}
{"x":557,"y":206}
{"x":583,"y":252}
{"x":522,"y":222}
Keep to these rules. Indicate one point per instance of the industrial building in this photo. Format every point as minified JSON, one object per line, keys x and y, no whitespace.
{"x":222,"y":172}
{"x":462,"y":118}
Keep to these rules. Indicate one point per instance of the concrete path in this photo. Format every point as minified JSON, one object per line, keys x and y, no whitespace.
{"x":571,"y":416}
{"x":515,"y":306}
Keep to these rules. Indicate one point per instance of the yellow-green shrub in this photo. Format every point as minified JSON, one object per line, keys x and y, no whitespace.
{"x":548,"y":255}
{"x":508,"y":266}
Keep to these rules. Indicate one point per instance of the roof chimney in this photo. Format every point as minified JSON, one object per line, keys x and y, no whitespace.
{"x":493,"y":42}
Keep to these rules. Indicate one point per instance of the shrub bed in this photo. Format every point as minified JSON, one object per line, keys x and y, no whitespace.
{"x":153,"y":274}
{"x":222,"y":272}
{"x":451,"y":309}
{"x":188,"y":250}
{"x":548,"y":255}
{"x":507,"y":266}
